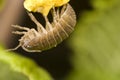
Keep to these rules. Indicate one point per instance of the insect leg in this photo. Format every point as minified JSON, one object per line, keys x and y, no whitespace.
{"x":40,"y":28}
{"x":63,"y":9}
{"x":58,"y":13}
{"x":18,"y":32}
{"x":35,"y":32}
{"x":55,"y":14}
{"x":31,"y":50}
{"x":19,"y":27}
{"x":50,"y":27}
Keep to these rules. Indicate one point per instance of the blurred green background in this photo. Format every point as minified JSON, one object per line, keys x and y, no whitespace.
{"x":92,"y":52}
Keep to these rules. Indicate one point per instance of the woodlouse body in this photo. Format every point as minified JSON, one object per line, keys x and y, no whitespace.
{"x":54,"y":33}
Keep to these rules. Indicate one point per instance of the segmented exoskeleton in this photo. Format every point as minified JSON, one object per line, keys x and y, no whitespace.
{"x":53,"y":33}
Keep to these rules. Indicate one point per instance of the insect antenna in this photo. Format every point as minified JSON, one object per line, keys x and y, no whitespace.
{"x":14,"y":48}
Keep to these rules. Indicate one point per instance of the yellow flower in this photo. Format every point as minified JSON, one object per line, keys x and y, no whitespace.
{"x":43,"y":6}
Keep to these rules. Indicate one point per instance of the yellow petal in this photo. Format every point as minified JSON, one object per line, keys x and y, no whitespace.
{"x":58,"y":3}
{"x":43,"y":6}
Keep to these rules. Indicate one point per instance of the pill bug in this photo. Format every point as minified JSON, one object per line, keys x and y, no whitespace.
{"x":60,"y":28}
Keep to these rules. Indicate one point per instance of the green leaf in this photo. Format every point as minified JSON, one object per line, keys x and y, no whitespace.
{"x":104,"y":4}
{"x":16,"y":67}
{"x":96,"y":43}
{"x":7,"y":74}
